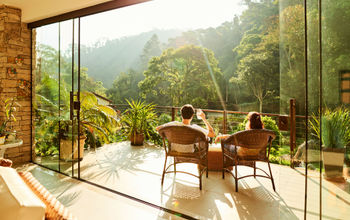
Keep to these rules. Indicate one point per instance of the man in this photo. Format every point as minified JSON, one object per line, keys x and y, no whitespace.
{"x":187,"y":113}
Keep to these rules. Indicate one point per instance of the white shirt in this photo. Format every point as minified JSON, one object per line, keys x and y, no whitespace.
{"x":185,"y":148}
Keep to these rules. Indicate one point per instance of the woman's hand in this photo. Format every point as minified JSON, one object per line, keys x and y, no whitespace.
{"x":220,"y":137}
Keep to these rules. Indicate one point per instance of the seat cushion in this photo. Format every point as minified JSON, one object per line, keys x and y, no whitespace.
{"x":17,"y":200}
{"x":245,"y":156}
{"x":184,"y":148}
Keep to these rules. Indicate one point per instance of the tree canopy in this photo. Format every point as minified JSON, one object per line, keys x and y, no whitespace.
{"x":184,"y":75}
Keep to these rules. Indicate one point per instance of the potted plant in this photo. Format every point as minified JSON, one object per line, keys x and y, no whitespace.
{"x":347,"y":159}
{"x":67,"y":139}
{"x":138,"y":121}
{"x":97,"y":122}
{"x":335,"y":136}
{"x":9,"y":116}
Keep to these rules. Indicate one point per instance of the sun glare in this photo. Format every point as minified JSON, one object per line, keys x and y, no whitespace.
{"x":159,"y":14}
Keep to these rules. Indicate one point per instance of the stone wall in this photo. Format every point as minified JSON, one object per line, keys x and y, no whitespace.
{"x":15,"y":77}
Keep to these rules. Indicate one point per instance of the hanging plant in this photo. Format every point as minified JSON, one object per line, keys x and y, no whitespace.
{"x":11,"y":71}
{"x":19,"y":60}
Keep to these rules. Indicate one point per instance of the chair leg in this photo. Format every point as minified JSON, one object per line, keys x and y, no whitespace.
{"x":236,"y":176}
{"x":200,"y":182}
{"x":164,"y":169}
{"x":206,"y":164}
{"x":223,"y":165}
{"x":254,"y":169}
{"x":273,"y":183}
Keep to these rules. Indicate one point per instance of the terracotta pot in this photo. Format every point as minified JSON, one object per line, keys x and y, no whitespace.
{"x":333,"y":160}
{"x":347,"y":167}
{"x":66,"y":149}
{"x":137,"y":140}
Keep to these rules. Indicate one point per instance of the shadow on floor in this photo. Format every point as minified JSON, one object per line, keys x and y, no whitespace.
{"x":61,"y":187}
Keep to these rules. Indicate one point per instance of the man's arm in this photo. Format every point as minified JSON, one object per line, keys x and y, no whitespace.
{"x":207,"y":124}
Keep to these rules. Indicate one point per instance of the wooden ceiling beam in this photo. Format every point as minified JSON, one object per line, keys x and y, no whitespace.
{"x":106,"y":6}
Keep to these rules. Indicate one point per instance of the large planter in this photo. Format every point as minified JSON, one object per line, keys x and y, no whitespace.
{"x":66,"y":149}
{"x":333,"y":160}
{"x":137,"y":139}
{"x":347,"y":161}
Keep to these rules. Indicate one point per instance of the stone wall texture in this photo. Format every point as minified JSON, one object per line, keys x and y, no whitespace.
{"x":15,"y":77}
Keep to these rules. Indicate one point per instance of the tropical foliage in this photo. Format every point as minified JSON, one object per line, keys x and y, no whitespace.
{"x":9,"y":108}
{"x":98,"y":123}
{"x":139,"y":118}
{"x":335,"y":127}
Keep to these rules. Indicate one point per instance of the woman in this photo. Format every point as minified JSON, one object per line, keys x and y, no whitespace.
{"x":254,"y":122}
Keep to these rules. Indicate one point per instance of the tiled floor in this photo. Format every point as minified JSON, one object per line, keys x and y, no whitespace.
{"x":136,"y":171}
{"x":86,"y":201}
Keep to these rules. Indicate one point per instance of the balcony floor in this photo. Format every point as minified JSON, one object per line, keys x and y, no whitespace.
{"x":136,"y":171}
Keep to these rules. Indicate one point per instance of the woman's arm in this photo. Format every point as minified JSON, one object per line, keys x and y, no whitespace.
{"x":220,"y":137}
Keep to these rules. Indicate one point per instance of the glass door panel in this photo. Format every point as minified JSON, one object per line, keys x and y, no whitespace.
{"x":75,"y":102}
{"x":67,"y":137}
{"x":46,"y":96}
{"x":335,"y":188}
{"x":55,"y":101}
{"x":314,"y":158}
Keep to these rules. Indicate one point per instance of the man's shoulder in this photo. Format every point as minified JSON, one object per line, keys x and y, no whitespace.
{"x":178,"y":123}
{"x":197,"y":127}
{"x":173,"y":123}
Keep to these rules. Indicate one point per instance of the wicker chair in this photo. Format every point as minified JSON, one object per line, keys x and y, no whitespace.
{"x":245,"y":148}
{"x":181,"y":134}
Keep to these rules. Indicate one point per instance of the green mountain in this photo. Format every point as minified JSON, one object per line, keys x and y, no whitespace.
{"x":105,"y":62}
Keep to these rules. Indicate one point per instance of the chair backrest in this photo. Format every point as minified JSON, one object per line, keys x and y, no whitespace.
{"x":252,"y":139}
{"x":182,"y":134}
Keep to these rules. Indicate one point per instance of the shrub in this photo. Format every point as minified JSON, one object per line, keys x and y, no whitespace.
{"x":164,"y":118}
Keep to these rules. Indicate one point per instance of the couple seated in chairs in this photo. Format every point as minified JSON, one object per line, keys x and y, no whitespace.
{"x":189,"y":143}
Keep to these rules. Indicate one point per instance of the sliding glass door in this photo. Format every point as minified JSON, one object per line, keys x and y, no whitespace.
{"x":56,"y":97}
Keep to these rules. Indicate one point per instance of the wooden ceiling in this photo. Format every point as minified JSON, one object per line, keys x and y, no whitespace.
{"x":34,"y":10}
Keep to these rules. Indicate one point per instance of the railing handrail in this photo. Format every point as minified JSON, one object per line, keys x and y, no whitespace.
{"x":291,"y":117}
{"x":217,"y":111}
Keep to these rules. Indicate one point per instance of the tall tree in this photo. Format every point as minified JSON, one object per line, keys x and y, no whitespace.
{"x":258,"y":55}
{"x":152,"y":48}
{"x":292,"y":57}
{"x":125,"y":86}
{"x":184,"y":75}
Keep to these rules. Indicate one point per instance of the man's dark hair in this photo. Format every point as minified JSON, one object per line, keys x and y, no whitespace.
{"x":187,"y":111}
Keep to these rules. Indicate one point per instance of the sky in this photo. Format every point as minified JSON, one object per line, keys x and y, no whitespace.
{"x":135,"y":19}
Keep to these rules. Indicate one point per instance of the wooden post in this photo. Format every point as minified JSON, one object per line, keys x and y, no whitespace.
{"x":173,"y":113}
{"x":224,"y":124}
{"x":292,"y":137}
